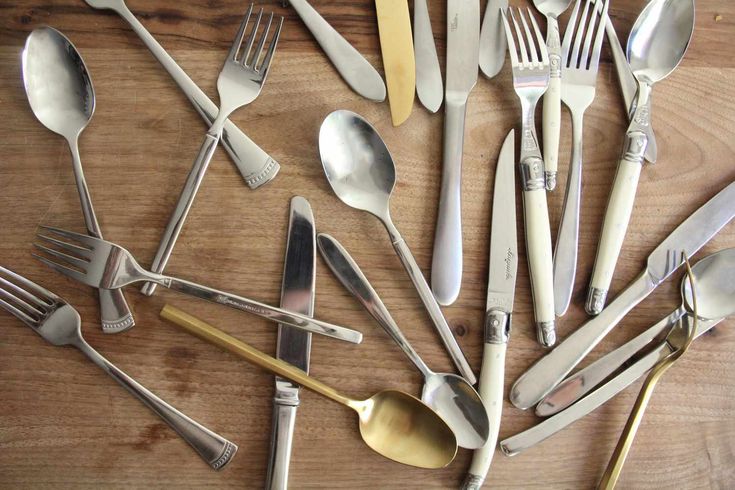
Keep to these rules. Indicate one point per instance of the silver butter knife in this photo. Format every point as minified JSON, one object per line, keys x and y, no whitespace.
{"x":493,"y":43}
{"x":463,"y":44}
{"x":351,"y":65}
{"x":297,"y":295}
{"x":429,"y":86}
{"x":689,"y":236}
{"x":499,"y":307}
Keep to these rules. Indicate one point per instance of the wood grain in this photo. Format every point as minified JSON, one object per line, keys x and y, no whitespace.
{"x":64,"y":424}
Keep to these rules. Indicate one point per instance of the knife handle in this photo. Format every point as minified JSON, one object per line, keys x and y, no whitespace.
{"x":284,"y":419}
{"x":446,"y":266}
{"x":551,"y":124}
{"x":617,"y":216}
{"x":540,"y":260}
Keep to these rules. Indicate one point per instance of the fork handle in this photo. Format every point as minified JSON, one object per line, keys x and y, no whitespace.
{"x":176,"y":221}
{"x":214,"y":449}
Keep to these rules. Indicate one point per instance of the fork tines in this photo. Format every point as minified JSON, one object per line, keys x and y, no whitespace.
{"x":530,"y":47}
{"x":589,"y":27}
{"x":25,"y":299}
{"x":242,"y":54}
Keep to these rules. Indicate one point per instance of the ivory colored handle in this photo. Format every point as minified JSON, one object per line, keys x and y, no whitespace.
{"x":551,"y":124}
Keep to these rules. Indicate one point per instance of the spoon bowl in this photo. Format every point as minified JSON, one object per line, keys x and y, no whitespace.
{"x":552,"y":8}
{"x":715,"y":284}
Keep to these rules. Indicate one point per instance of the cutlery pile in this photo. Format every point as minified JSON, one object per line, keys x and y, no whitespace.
{"x":423,"y":431}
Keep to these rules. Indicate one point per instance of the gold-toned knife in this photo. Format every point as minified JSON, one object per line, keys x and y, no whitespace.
{"x":396,"y":45}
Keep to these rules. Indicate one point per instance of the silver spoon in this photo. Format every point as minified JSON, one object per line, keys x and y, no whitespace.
{"x":61,"y":96}
{"x":361,"y":171}
{"x":449,"y":395}
{"x":715,"y":279}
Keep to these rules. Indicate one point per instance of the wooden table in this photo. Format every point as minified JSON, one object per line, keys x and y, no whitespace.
{"x":64,"y":424}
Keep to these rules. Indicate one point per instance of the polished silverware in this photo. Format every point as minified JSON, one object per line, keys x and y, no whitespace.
{"x":690,"y":235}
{"x":293,"y":345}
{"x":463,"y":54}
{"x":255,"y":165}
{"x":362,"y":174}
{"x":350,"y":64}
{"x":392,"y":423}
{"x":577,"y":93}
{"x":61,"y":95}
{"x":59,"y":324}
{"x":530,"y":64}
{"x":656,"y":46}
{"x":493,"y":44}
{"x":551,"y":119}
{"x":449,"y":395}
{"x":501,"y":286}
{"x":239,"y":83}
{"x":102,"y":264}
{"x":429,"y":86}
{"x":396,"y":46}
{"x":716,"y":300}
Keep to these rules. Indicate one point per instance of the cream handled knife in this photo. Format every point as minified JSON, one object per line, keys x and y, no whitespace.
{"x":396,"y":45}
{"x":499,"y":307}
{"x":463,"y":45}
{"x":493,"y":43}
{"x":294,"y":345}
{"x":429,"y":86}
{"x":351,"y":65}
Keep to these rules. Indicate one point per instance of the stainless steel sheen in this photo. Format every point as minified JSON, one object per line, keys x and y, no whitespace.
{"x":102,"y":264}
{"x":59,"y":324}
{"x":449,"y":395}
{"x":689,"y":236}
{"x":255,"y":165}
{"x":351,"y":65}
{"x":429,"y":86}
{"x":294,"y":345}
{"x":239,"y":83}
{"x":493,"y":44}
{"x":61,"y":96}
{"x":361,"y":172}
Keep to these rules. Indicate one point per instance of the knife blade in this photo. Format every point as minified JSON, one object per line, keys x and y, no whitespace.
{"x":429,"y":85}
{"x":688,"y":237}
{"x":501,"y":285}
{"x":293,"y":345}
{"x":463,"y":45}
{"x":492,"y":39}
{"x":351,"y":65}
{"x":396,"y":46}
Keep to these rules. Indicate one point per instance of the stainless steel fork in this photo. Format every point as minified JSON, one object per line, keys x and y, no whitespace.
{"x":530,"y":63}
{"x":102,"y":264}
{"x":577,"y":93}
{"x":59,"y":324}
{"x":239,"y":83}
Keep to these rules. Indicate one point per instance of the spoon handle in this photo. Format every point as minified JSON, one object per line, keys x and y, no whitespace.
{"x":213,"y":335}
{"x":349,"y":274}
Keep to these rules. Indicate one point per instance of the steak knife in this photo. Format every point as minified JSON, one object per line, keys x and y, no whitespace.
{"x":501,"y":286}
{"x":493,"y":44}
{"x":463,"y":57}
{"x":688,"y":237}
{"x":297,"y":295}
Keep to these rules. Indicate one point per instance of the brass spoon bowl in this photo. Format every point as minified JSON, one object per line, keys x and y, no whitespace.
{"x":392,"y":423}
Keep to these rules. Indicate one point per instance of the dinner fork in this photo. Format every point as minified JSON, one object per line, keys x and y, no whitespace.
{"x":530,"y":66}
{"x":239,"y":83}
{"x":577,"y":93}
{"x":59,"y":324}
{"x":102,"y":264}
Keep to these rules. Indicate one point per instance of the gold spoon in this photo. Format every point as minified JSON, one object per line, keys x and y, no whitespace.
{"x":680,"y":338}
{"x":394,"y":424}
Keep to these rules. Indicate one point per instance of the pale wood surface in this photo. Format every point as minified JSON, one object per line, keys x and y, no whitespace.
{"x":63,"y":423}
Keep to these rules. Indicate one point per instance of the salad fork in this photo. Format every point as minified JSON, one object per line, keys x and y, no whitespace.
{"x":59,"y":324}
{"x":577,"y":93}
{"x":104,"y":265}
{"x":530,"y":64}
{"x":239,"y":83}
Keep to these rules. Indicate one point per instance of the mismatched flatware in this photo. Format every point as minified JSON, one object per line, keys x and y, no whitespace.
{"x":656,"y":46}
{"x":449,"y":395}
{"x":690,"y":235}
{"x":362,"y":174}
{"x":530,"y":62}
{"x":61,"y":95}
{"x":392,"y":423}
{"x":580,"y":65}
{"x":239,"y":83}
{"x":493,"y":44}
{"x":102,"y":264}
{"x":255,"y":165}
{"x":59,"y":324}
{"x":429,"y":85}
{"x":463,"y":55}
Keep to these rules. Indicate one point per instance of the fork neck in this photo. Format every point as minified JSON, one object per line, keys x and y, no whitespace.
{"x":218,"y":124}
